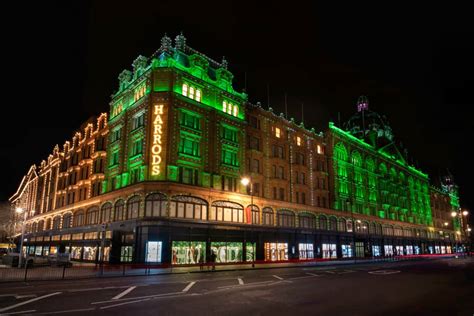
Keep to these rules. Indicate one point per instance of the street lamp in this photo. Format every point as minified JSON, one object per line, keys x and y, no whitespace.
{"x":247,"y":182}
{"x":460,"y":214}
{"x":19,"y":210}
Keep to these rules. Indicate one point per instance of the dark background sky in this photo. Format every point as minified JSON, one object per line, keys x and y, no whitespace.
{"x":415,"y":63}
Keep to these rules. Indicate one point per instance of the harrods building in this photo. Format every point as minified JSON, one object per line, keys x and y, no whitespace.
{"x":158,"y":179}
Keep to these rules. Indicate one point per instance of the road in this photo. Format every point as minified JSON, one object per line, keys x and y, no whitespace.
{"x":434,"y":287}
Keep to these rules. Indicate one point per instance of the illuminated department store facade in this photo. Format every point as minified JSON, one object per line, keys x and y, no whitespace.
{"x":158,"y":179}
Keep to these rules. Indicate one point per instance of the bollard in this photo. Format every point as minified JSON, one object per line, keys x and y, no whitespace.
{"x":26,"y":270}
{"x":123,"y":273}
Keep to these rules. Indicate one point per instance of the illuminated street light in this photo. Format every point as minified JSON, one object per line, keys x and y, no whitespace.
{"x":245,"y":181}
{"x":20,"y":210}
{"x":445,"y":223}
{"x":465,"y":213}
{"x":453,"y":214}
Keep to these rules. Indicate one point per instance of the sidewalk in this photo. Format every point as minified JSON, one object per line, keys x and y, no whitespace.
{"x":90,"y":270}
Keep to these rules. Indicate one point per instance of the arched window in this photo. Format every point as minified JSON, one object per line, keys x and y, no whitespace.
{"x":373,"y":229}
{"x":356,"y":159}
{"x":306,"y":220}
{"x":92,"y":215}
{"x":255,"y":214}
{"x":341,"y":225}
{"x":57,"y":222}
{"x":388,"y":230}
{"x":119,"y":212}
{"x":34,"y":227}
{"x":133,"y":207}
{"x":106,"y":213}
{"x":323,"y":222}
{"x":67,"y":220}
{"x":155,"y":205}
{"x":332,"y":223}
{"x":78,"y":218}
{"x":267,"y":216}
{"x":379,"y":229}
{"x":227,"y":212}
{"x":364,"y":227}
{"x":47,"y":224}
{"x":183,"y":206}
{"x":285,"y":218}
{"x":340,"y":152}
{"x":41,"y":225}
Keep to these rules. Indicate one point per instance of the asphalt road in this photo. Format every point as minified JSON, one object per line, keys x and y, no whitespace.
{"x":435,"y":287}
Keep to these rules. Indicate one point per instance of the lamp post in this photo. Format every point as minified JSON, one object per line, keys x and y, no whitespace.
{"x":247,"y":182}
{"x":460,"y":214}
{"x":19,"y":210}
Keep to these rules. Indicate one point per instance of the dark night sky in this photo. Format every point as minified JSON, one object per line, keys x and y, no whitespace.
{"x":414,"y":63}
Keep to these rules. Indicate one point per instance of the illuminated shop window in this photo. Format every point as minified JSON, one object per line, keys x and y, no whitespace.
{"x":198,"y":95}
{"x":298,"y":140}
{"x":306,"y":251}
{"x":277,"y":132}
{"x":188,"y":252}
{"x":227,"y":251}
{"x":276,"y":251}
{"x":320,"y":150}
{"x":191,"y":93}
{"x":139,"y":92}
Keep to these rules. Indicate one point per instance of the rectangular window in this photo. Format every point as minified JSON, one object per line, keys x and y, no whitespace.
{"x":138,"y":121}
{"x":185,"y":90}
{"x":229,"y":157}
{"x":256,"y":165}
{"x":254,"y":122}
{"x":191,"y":121}
{"x":114,"y":159}
{"x":229,"y":134}
{"x":281,"y":172}
{"x":188,"y":252}
{"x":137,"y":147}
{"x":153,"y":251}
{"x":320,"y":149}
{"x":277,"y":132}
{"x":188,"y":175}
{"x":278,"y":152}
{"x":253,"y":142}
{"x":298,"y":140}
{"x":189,"y":147}
{"x":274,"y":171}
{"x":274,"y":193}
{"x":300,"y":159}
{"x":276,"y":251}
{"x":282,"y":194}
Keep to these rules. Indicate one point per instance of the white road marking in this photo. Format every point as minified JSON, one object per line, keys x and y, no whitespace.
{"x":248,"y":284}
{"x":190,"y":285}
{"x":116,"y":297}
{"x":25,"y":296}
{"x":384,"y":272}
{"x":68,"y":311}
{"x":140,"y":297}
{"x":22,"y":312}
{"x":346,"y":271}
{"x":241,"y":282}
{"x":29,"y":301}
{"x":276,"y":276}
{"x":312,"y":274}
{"x":125,"y":303}
{"x":332,"y":272}
{"x":99,"y":288}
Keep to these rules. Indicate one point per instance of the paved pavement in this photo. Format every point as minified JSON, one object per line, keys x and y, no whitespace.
{"x":435,"y":287}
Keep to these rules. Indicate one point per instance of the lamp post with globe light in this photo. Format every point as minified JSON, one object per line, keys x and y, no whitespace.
{"x":247,"y":182}
{"x":19,"y":210}
{"x":460,"y":214}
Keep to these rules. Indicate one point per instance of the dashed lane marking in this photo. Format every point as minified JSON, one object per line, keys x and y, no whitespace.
{"x":331,"y":272}
{"x":118,"y":296}
{"x":22,"y":312}
{"x":190,"y":285}
{"x":241,"y":282}
{"x":312,"y":274}
{"x":277,"y":277}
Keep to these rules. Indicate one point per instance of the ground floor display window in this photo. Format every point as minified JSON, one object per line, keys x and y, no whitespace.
{"x":31,"y":250}
{"x":417,"y":250}
{"x":376,"y":251}
{"x":276,"y":251}
{"x":153,"y":251}
{"x":76,"y":252}
{"x":437,"y":250}
{"x":306,"y":251}
{"x":38,"y":250}
{"x":329,"y":251}
{"x":388,"y":250}
{"x":227,"y":251}
{"x":346,"y":251}
{"x":430,"y":249}
{"x":359,"y":249}
{"x":448,"y":249}
{"x":399,"y":250}
{"x":250,"y":251}
{"x":409,"y":250}
{"x":53,"y":250}
{"x":46,"y":251}
{"x":126,"y":254}
{"x":188,"y":252}
{"x":106,"y":251}
{"x":443,"y":249}
{"x":89,"y":253}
